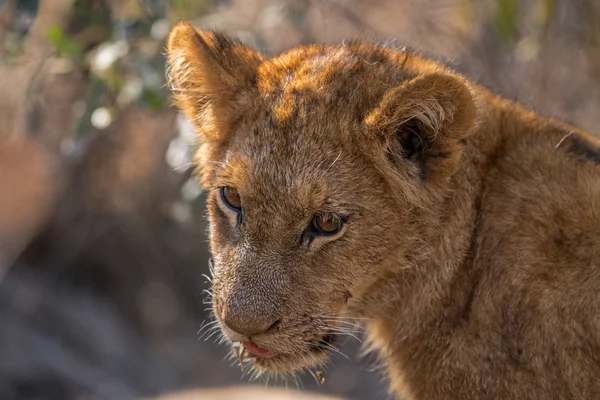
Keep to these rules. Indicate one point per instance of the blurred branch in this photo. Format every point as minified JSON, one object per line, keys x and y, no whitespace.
{"x":16,"y":79}
{"x":28,"y":174}
{"x":7,"y":15}
{"x":50,"y":13}
{"x":27,"y":168}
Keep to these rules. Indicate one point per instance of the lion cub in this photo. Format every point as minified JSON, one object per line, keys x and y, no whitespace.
{"x":363,"y":183}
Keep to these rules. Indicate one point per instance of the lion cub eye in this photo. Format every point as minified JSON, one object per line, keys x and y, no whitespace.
{"x":326,"y":224}
{"x":231,"y":198}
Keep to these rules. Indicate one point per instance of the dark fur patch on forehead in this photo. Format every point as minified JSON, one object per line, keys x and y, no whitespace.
{"x":580,"y":148}
{"x":583,"y":149}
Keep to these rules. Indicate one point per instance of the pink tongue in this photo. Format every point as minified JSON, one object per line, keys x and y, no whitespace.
{"x":258,"y":351}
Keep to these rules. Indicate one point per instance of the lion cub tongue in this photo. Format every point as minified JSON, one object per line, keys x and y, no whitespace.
{"x":258,"y":351}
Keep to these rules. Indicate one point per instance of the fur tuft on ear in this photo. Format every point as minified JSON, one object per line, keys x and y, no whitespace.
{"x":207,"y":71}
{"x":424,"y":121}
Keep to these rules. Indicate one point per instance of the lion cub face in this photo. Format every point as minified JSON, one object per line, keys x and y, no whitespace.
{"x":293,"y":237}
{"x":317,"y":164}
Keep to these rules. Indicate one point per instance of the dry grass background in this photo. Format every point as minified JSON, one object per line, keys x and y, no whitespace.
{"x":102,"y":229}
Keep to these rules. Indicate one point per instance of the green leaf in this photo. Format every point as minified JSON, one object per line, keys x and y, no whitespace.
{"x":64,"y":45}
{"x":153,"y":99}
{"x":506,"y":19}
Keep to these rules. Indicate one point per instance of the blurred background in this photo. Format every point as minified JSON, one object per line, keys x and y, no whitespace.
{"x":102,"y":225}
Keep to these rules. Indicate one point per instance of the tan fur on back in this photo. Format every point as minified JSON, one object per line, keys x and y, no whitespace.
{"x":470,"y":245}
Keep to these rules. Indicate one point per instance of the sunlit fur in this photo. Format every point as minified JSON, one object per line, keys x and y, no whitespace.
{"x":470,"y":250}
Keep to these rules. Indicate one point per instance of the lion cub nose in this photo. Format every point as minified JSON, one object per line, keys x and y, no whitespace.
{"x":246,"y":320}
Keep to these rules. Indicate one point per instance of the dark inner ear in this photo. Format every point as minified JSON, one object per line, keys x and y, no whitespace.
{"x":411,"y":139}
{"x":414,"y":146}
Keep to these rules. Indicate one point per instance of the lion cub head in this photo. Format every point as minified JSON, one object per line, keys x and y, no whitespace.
{"x":324,"y":167}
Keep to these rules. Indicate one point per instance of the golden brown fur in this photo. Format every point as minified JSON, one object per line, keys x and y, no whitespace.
{"x":471,"y":244}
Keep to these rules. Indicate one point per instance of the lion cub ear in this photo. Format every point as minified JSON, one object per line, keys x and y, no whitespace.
{"x":422,"y":123}
{"x":208,"y":72}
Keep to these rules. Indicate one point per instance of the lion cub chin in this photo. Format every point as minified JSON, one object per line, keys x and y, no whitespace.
{"x":359,"y":184}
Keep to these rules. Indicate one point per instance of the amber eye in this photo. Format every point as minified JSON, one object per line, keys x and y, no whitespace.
{"x":232,"y":198}
{"x":326,"y":224}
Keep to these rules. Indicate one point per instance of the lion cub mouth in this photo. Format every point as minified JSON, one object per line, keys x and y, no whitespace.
{"x":258,"y":351}
{"x":248,"y":348}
